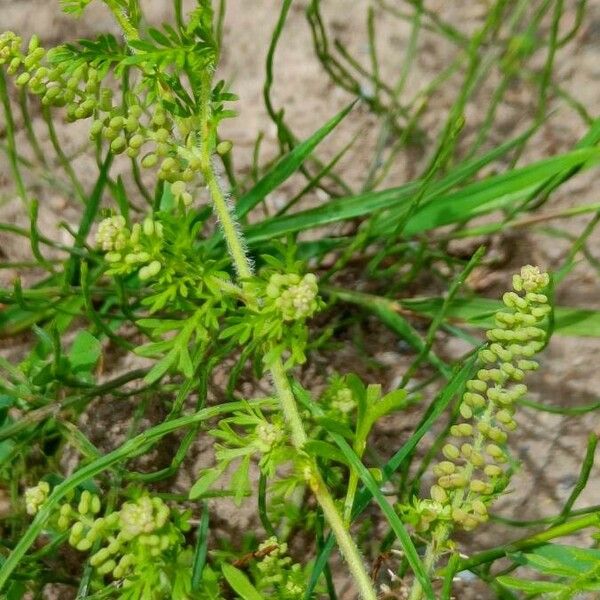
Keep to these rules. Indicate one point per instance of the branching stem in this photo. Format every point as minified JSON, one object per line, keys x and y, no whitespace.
{"x":289,"y":407}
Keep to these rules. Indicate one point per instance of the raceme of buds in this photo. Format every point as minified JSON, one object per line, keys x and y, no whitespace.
{"x":343,"y":401}
{"x":475,"y":471}
{"x":295,"y":297}
{"x":268,"y":436}
{"x":142,"y":517}
{"x":127,"y":126}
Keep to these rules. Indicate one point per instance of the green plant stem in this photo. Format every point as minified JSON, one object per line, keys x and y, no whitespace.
{"x":130,"y":32}
{"x":10,"y":137}
{"x":289,"y":407}
{"x":531,"y":541}
{"x":229,"y":225}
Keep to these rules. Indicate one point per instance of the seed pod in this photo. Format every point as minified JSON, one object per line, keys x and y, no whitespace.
{"x":118,"y":145}
{"x":107,"y":567}
{"x":224,"y":147}
{"x":149,"y":161}
{"x":84,"y":502}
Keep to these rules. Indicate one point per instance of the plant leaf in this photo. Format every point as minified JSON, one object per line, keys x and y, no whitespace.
{"x":85,"y":351}
{"x":287,"y":166}
{"x":240,"y":583}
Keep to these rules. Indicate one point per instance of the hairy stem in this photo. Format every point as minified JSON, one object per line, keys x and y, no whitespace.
{"x":243,"y":266}
{"x":130,"y":32}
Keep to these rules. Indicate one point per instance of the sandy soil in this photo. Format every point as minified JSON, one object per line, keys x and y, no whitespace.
{"x":550,"y":446}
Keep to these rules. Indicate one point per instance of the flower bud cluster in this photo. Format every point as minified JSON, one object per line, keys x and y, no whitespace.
{"x":57,"y":84}
{"x":36,"y":496}
{"x":269,"y":436}
{"x":279,"y":572}
{"x":127,"y":127}
{"x":153,"y":137}
{"x":475,"y":471}
{"x":140,"y":531}
{"x":127,"y":251}
{"x":295,"y":297}
{"x":343,"y":401}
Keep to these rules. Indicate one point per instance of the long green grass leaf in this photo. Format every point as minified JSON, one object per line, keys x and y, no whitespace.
{"x":287,"y":166}
{"x":392,"y":518}
{"x":437,"y":207}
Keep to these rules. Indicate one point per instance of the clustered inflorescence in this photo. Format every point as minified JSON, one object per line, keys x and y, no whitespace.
{"x":294,"y":296}
{"x":123,"y":542}
{"x":128,"y":126}
{"x":277,"y":571}
{"x":475,"y":470}
{"x":138,"y":249}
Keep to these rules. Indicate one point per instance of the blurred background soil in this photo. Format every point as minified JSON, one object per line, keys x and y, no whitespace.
{"x":550,"y":446}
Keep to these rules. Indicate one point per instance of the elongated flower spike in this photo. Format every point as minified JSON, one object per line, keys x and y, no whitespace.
{"x":474,"y":471}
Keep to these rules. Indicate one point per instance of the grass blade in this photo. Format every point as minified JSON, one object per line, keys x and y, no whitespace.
{"x":393,"y":520}
{"x":287,"y":166}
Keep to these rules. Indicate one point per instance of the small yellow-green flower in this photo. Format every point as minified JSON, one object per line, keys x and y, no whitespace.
{"x":296,"y":297}
{"x":36,"y":496}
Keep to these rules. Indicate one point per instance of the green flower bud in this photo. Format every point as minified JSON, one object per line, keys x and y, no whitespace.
{"x":95,"y":505}
{"x":495,"y":452}
{"x":450,"y":451}
{"x":465,"y":411}
{"x":150,"y":271}
{"x":36,"y":496}
{"x":96,"y":128}
{"x":136,"y":141}
{"x":101,"y":556}
{"x":438,"y":494}
{"x":113,"y":257}
{"x":476,"y":385}
{"x":84,"y":502}
{"x":159,"y":118}
{"x":478,"y":487}
{"x":487,"y":356}
{"x":500,"y":352}
{"x":109,"y":134}
{"x":476,"y":459}
{"x":444,"y":468}
{"x":83,"y":545}
{"x":34,"y":43}
{"x":23,"y":79}
{"x":224,"y":147}
{"x":132,"y":124}
{"x":107,"y":567}
{"x":76,"y":533}
{"x":466,"y":450}
{"x":161,"y":135}
{"x":118,"y":145}
{"x":474,"y":400}
{"x":497,"y":435}
{"x":493,"y":471}
{"x":149,"y":161}
{"x":116,"y":123}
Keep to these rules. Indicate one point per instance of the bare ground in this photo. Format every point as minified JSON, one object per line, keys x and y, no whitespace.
{"x":550,"y":446}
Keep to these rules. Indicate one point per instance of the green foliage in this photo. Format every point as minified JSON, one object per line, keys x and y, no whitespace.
{"x":574,"y":571}
{"x":213,"y":313}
